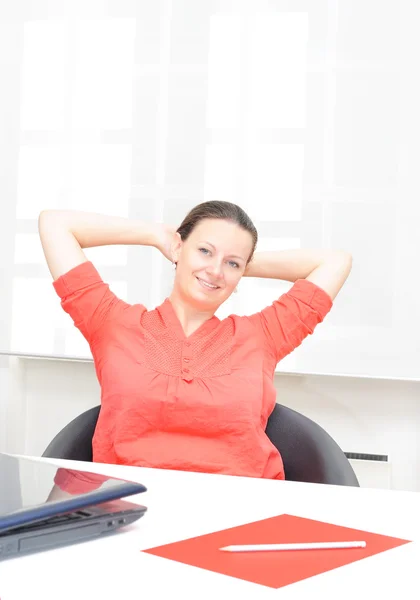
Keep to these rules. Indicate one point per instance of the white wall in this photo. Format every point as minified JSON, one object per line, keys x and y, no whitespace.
{"x":39,"y":397}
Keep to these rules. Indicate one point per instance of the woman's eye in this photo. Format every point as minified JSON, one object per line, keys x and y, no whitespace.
{"x":233,"y":264}
{"x":204,"y":250}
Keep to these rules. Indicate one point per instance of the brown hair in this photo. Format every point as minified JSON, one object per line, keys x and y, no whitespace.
{"x":218,"y":209}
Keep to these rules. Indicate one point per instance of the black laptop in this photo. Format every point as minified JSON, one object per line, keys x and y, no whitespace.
{"x":43,"y":506}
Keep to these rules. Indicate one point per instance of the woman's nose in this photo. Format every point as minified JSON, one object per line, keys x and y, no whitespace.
{"x":215,"y":268}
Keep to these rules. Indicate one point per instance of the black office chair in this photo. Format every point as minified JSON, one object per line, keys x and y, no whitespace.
{"x":309,"y":453}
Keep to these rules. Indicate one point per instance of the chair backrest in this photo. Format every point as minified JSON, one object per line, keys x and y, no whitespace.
{"x":74,"y":441}
{"x":309,"y":453}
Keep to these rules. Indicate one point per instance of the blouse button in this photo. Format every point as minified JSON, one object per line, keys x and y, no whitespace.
{"x":186,"y":370}
{"x":186,"y":359}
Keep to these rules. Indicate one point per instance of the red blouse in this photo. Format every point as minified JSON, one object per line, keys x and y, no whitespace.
{"x":196,"y":403}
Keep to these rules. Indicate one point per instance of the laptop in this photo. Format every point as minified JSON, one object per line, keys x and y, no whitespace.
{"x":43,"y":506}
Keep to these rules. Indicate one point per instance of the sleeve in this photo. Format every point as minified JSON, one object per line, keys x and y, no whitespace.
{"x":292,"y":317}
{"x":87,"y":299}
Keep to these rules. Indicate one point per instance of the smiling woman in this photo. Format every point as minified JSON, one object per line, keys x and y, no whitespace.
{"x":180,"y":388}
{"x":207,"y":273}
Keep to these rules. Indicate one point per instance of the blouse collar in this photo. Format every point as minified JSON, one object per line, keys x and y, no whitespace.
{"x":167,"y":312}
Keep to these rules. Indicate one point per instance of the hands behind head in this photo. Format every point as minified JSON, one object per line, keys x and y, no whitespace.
{"x":164,"y":238}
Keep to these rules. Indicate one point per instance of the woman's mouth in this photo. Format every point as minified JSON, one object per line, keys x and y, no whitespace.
{"x":207,"y":285}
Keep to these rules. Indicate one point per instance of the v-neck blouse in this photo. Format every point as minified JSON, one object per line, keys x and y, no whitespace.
{"x":196,"y":403}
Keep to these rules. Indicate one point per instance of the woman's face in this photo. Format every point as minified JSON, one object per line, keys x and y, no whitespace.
{"x":211,"y":262}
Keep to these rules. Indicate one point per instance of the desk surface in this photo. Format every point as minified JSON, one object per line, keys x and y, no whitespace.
{"x":183,"y":505}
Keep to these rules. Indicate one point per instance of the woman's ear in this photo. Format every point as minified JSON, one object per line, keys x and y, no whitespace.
{"x":176,"y":247}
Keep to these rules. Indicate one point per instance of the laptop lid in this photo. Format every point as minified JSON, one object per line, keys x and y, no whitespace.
{"x":33,"y":490}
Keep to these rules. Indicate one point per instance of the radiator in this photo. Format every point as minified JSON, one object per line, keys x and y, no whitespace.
{"x":372,"y":470}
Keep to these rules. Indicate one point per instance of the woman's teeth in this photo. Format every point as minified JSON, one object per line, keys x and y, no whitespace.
{"x":207,"y":285}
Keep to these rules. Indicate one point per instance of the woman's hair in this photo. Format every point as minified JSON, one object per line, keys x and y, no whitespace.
{"x":218,"y":209}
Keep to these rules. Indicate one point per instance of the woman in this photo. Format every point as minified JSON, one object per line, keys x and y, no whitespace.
{"x":181,"y":389}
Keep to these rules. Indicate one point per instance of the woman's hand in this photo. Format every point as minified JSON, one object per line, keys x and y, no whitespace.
{"x":164,"y":238}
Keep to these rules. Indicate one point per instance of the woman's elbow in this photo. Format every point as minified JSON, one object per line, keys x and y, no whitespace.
{"x":345,"y":257}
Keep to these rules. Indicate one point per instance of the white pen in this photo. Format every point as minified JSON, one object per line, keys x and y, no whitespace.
{"x":306,"y":546}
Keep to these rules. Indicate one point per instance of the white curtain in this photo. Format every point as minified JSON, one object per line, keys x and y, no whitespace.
{"x":304,"y":113}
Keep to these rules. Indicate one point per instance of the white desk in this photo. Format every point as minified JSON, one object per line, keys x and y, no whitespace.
{"x":183,"y":505}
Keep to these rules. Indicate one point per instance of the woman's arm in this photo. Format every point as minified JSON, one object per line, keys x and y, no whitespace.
{"x":328,"y":269}
{"x":64,"y":234}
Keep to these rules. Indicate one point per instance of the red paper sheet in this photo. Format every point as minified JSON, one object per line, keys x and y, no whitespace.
{"x":275,"y":569}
